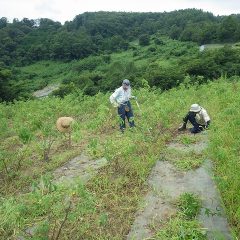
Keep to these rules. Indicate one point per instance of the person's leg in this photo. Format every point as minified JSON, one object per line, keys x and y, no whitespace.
{"x":192,"y":120}
{"x":196,"y":130}
{"x":130,"y":116}
{"x":122,"y":115}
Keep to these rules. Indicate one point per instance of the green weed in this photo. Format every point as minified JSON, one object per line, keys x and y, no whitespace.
{"x":184,"y":160}
{"x":188,"y":163}
{"x":111,"y":198}
{"x":186,"y":140}
{"x":183,"y":225}
{"x":189,"y":205}
{"x":181,"y":229}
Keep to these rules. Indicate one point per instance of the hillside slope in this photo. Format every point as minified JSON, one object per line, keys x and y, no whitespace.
{"x":104,"y":207}
{"x":164,"y":63}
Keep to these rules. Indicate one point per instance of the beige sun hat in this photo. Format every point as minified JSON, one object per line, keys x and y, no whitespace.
{"x":195,"y":108}
{"x":63,"y":124}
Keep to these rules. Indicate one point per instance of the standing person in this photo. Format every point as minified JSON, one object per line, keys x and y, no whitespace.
{"x":120,"y":99}
{"x":198,"y":117}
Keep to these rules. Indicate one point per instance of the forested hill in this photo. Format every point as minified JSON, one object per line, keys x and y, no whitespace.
{"x":95,"y":51}
{"x":26,"y":41}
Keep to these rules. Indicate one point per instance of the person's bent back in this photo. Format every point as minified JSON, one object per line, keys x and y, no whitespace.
{"x":198,"y":117}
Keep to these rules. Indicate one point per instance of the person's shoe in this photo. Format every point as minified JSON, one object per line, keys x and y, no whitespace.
{"x":182,"y":127}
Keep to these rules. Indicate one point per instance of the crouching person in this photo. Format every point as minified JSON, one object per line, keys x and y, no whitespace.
{"x":198,"y":117}
{"x":121,"y":99}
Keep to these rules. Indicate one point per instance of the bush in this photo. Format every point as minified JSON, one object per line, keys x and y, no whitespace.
{"x":158,"y":41}
{"x":64,"y":90}
{"x":152,"y":49}
{"x":89,"y":64}
{"x":164,"y":77}
{"x":144,"y":40}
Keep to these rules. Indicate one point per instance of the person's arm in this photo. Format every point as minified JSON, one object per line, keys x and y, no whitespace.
{"x":208,"y":123}
{"x":206,"y":117}
{"x":113,"y":98}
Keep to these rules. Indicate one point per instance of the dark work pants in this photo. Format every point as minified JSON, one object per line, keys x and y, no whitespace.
{"x":123,"y":114}
{"x":191,"y":117}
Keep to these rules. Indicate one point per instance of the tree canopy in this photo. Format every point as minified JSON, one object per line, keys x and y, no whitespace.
{"x":26,"y":41}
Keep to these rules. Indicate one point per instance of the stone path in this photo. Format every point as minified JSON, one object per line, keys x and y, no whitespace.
{"x":79,"y":167}
{"x":166,"y":184}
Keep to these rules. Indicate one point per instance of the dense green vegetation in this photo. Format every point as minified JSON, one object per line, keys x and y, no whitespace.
{"x":111,"y":198}
{"x":184,"y":224}
{"x":163,"y":65}
{"x":85,"y":50}
{"x":25,"y":41}
{"x":89,"y":57}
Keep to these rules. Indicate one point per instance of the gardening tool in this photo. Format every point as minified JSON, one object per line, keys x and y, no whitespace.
{"x":141,"y":113}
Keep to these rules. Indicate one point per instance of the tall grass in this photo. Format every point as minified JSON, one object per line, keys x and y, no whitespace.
{"x":116,"y":190}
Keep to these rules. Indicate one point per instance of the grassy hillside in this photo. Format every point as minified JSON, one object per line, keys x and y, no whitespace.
{"x":105,"y":71}
{"x":164,"y":63}
{"x":104,"y":208}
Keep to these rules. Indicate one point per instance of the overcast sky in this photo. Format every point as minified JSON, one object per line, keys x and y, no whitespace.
{"x":66,"y":10}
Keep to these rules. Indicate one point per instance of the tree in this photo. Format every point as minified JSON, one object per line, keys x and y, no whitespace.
{"x":5,"y":75}
{"x":144,"y":40}
{"x":3,"y":22}
{"x":228,"y":28}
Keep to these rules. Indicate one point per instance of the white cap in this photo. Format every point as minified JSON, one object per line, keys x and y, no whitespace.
{"x":126,"y":82}
{"x":195,"y":108}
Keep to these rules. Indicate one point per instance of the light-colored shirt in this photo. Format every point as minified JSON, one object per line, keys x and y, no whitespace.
{"x":202,"y":117}
{"x":120,"y":96}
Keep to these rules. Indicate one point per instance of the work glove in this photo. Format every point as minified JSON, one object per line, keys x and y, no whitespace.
{"x":134,"y":97}
{"x":115,"y":104}
{"x":207,"y":125}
